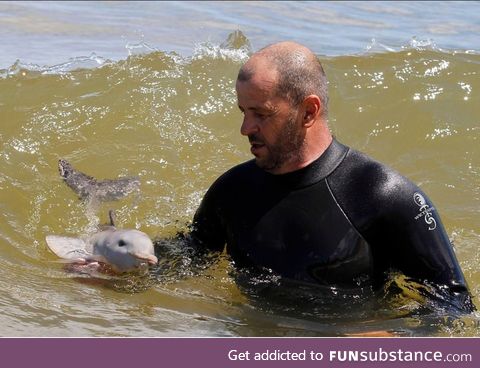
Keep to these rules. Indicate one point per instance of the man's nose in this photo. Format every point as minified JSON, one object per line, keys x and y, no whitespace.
{"x":248,"y":127}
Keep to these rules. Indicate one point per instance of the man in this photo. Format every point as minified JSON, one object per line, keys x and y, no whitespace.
{"x":308,"y":207}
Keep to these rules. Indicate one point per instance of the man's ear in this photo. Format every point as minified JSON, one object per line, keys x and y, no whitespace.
{"x":312,"y":107}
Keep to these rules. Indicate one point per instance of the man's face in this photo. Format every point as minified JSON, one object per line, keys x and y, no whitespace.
{"x":270,"y":123}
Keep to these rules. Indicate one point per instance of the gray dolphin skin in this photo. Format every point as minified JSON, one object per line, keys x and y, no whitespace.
{"x":88,"y":187}
{"x":123,"y":250}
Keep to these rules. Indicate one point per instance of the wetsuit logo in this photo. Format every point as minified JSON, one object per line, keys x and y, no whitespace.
{"x":425,"y":211}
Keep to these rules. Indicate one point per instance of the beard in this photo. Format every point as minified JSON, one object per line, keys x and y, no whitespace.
{"x":285,"y":149}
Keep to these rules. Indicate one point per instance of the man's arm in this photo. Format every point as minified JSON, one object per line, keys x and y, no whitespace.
{"x":421,"y":247}
{"x":418,"y":244}
{"x":401,"y":224}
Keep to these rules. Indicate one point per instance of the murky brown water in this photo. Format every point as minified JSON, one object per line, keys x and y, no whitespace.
{"x":173,"y":121}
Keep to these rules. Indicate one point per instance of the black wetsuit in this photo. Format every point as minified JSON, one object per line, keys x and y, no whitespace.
{"x":343,"y":220}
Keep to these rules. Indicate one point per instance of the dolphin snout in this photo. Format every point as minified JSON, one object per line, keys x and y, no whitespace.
{"x":149,"y":258}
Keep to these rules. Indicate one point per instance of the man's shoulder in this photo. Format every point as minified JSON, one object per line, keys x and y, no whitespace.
{"x":362,"y":183}
{"x":379,"y":200}
{"x":363,"y":171}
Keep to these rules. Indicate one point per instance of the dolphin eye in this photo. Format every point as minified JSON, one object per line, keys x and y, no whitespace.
{"x":121,"y":243}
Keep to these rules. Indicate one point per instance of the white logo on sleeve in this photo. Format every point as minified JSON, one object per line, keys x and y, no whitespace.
{"x":425,"y":211}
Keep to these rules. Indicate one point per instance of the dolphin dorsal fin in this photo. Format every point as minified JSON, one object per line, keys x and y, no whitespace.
{"x":112,"y":217}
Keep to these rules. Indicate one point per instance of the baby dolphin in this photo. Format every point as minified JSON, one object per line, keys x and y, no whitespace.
{"x":121,"y":249}
{"x":88,"y":187}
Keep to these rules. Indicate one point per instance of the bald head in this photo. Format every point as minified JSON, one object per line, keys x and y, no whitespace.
{"x":295,"y":69}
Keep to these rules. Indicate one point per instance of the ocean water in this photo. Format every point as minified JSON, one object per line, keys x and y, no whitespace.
{"x":147,"y":89}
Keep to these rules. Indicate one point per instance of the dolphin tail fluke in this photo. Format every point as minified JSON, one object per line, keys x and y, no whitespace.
{"x":87,"y":187}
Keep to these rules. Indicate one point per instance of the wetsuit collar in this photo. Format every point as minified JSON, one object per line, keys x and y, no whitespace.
{"x":316,"y":171}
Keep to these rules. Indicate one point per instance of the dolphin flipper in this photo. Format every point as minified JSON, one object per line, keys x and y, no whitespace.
{"x":72,"y":249}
